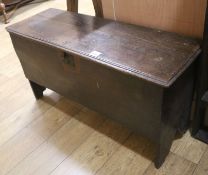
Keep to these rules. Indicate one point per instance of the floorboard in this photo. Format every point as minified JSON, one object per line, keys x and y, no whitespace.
{"x":57,"y":136}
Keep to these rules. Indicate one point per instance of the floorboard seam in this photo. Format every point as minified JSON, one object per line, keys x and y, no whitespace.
{"x":76,"y":148}
{"x":120,"y":145}
{"x":41,"y":143}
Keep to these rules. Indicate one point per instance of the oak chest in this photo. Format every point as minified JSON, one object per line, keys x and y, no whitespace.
{"x":139,"y":76}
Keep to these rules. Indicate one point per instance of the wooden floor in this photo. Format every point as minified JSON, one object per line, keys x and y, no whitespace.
{"x":57,"y":136}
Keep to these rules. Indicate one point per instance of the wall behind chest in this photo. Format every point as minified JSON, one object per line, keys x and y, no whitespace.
{"x":180,"y":16}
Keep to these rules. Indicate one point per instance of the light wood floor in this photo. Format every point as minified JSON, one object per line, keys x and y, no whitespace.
{"x":57,"y":136}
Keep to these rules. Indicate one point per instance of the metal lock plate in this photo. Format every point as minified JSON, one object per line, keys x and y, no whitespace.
{"x":69,"y":62}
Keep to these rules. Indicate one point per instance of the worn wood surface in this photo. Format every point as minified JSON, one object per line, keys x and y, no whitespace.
{"x":17,"y":113}
{"x":64,"y":59}
{"x":152,"y":55}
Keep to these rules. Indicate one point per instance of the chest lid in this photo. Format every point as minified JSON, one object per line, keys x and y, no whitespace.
{"x":156,"y":56}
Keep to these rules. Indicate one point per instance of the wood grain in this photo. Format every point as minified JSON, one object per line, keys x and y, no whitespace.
{"x":72,"y":5}
{"x":18,"y":120}
{"x":174,"y":165}
{"x":20,"y":114}
{"x":133,"y":157}
{"x":98,"y":8}
{"x":26,"y":141}
{"x":11,"y":85}
{"x":95,"y":151}
{"x":180,"y":16}
{"x":22,"y":98}
{"x":155,"y":56}
{"x":202,"y":168}
{"x":66,"y":140}
{"x":189,"y":148}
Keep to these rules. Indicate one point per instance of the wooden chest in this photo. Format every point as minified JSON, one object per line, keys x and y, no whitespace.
{"x":138,"y":76}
